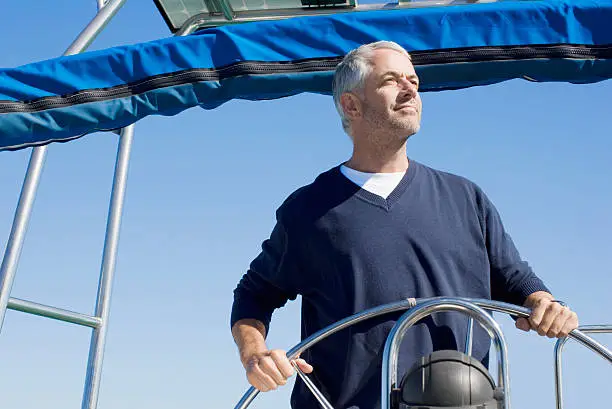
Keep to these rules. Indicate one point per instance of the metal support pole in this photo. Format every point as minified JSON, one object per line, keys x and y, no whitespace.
{"x":21,"y":219}
{"x":98,"y":339}
{"x":469,"y":337}
{"x":593,"y":329}
{"x":96,"y":349}
{"x":106,"y":11}
{"x":41,"y":310}
{"x":18,"y":231}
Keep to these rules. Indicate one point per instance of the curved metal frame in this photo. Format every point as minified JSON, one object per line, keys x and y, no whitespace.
{"x":412,"y":316}
{"x":593,"y":329}
{"x":496,"y":306}
{"x":229,"y":16}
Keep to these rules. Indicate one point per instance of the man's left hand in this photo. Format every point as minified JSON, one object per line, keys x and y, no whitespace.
{"x":548,"y":317}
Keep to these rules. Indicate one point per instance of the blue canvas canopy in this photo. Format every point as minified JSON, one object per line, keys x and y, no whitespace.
{"x":452,"y":47}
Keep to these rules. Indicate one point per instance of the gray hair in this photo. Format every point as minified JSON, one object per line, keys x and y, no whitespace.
{"x":352,"y":71}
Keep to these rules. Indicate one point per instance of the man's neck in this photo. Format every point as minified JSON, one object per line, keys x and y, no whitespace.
{"x":379,"y":159}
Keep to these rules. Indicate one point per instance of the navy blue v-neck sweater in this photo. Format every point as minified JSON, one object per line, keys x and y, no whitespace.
{"x":344,"y":249}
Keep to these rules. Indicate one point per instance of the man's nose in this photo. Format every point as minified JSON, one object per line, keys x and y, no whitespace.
{"x":408,"y":87}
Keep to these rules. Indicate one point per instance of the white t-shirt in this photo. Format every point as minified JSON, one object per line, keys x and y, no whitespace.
{"x":381,"y":184}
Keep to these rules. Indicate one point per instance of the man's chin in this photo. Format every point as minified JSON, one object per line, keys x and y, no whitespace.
{"x":412,"y":129}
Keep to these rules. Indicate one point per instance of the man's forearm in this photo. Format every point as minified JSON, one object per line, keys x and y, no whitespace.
{"x":250,"y":337}
{"x":266,"y":369}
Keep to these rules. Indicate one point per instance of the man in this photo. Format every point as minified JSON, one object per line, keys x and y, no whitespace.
{"x":377,"y":229}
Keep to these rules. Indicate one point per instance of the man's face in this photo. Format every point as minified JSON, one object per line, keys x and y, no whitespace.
{"x":391,"y":101}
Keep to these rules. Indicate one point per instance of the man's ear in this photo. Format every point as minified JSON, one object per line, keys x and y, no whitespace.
{"x":351,"y":105}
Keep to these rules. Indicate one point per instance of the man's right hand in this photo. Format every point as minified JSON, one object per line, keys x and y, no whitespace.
{"x":268,"y":370}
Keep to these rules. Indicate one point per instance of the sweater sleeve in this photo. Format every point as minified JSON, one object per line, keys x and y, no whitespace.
{"x":270,"y":281}
{"x":512,"y":279}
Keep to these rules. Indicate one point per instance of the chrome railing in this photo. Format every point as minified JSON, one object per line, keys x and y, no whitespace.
{"x":587,"y":329}
{"x":414,"y":311}
{"x":414,"y":315}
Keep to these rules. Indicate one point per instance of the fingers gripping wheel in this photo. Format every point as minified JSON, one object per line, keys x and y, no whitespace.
{"x":448,"y":379}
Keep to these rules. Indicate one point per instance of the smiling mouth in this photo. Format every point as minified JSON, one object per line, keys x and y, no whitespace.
{"x":412,"y":107}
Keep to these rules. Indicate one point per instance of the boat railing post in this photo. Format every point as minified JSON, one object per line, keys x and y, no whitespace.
{"x":469,"y":336}
{"x":558,"y":365}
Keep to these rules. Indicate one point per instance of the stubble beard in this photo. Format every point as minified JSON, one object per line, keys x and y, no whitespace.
{"x":388,"y":129}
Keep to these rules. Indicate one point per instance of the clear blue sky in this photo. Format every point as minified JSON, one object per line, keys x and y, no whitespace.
{"x":203,"y":187}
